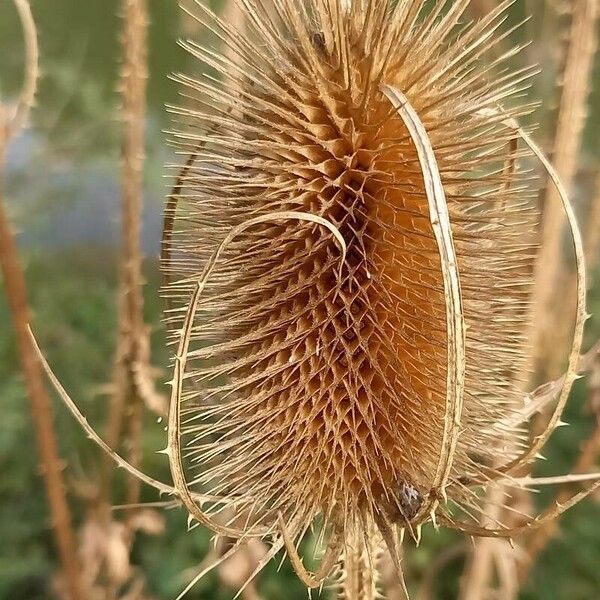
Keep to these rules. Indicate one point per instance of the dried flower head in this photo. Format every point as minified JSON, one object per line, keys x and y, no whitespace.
{"x":348,"y":260}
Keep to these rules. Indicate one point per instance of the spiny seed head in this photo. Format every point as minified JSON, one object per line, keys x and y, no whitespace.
{"x":317,"y":381}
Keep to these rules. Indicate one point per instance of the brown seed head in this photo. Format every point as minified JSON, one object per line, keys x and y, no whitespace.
{"x":311,"y":388}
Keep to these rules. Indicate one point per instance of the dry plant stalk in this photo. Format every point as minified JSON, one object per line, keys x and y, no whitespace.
{"x":580,"y":57}
{"x":107,"y":565}
{"x":347,"y":279}
{"x":361,"y":572}
{"x":591,"y":447}
{"x":132,"y":333}
{"x":545,"y":320}
{"x":133,"y":376}
{"x":477,"y":575}
{"x":16,"y":293}
{"x":538,"y":541}
{"x":581,"y":49}
{"x":592,"y":237}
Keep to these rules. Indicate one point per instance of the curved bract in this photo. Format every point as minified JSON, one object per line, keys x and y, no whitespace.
{"x":363,"y":386}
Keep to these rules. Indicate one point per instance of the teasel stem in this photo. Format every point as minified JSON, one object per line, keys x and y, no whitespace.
{"x":571,"y":118}
{"x":579,"y":62}
{"x":592,"y":237}
{"x":479,"y":569}
{"x":359,"y":565}
{"x":16,"y":293}
{"x":538,"y":541}
{"x":132,"y":382}
{"x":132,"y":377}
{"x":41,"y":409}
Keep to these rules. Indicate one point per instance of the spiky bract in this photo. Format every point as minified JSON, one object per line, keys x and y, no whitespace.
{"x":307,"y":392}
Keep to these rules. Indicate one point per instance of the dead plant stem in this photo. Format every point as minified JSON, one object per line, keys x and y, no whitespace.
{"x":571,"y":118}
{"x":16,"y":293}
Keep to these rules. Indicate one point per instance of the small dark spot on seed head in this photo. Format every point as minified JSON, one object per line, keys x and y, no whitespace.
{"x":409,"y":500}
{"x":318,"y":40}
{"x":402,"y":502}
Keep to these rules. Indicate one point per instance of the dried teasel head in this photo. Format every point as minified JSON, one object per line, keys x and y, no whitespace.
{"x":347,"y":258}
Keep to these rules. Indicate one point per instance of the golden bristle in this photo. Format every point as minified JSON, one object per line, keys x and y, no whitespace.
{"x":326,"y":379}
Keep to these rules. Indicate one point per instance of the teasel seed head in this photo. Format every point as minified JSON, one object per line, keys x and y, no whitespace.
{"x":348,"y":258}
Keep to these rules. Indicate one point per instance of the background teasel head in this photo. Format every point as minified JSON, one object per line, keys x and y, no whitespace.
{"x":348,"y":260}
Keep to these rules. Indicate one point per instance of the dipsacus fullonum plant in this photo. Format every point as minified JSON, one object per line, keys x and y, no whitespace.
{"x":348,"y":256}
